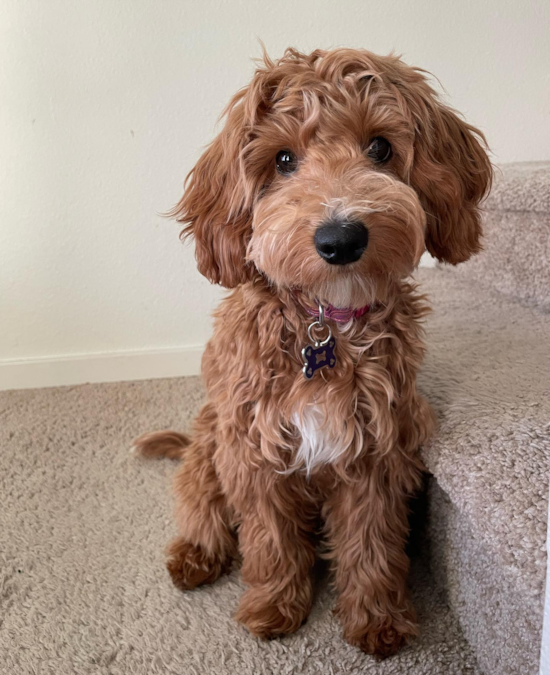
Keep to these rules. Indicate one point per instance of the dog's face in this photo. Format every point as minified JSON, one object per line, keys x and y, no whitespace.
{"x":333,"y":173}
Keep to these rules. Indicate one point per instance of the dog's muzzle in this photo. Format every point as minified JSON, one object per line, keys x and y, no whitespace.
{"x":341,"y":242}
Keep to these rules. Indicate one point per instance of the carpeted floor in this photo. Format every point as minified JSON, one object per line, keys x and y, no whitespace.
{"x":83,"y":587}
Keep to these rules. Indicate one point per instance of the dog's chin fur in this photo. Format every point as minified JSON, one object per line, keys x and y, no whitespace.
{"x":347,"y":290}
{"x":273,"y":455}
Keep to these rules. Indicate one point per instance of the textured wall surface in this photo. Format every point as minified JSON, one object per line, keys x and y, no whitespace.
{"x":106,"y":105}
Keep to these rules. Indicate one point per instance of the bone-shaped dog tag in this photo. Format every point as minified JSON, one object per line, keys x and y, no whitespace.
{"x":317,"y":356}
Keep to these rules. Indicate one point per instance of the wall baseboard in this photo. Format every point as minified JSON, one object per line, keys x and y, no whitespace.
{"x":103,"y":367}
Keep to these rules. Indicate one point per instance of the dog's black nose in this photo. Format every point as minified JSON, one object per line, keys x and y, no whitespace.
{"x":341,"y":242}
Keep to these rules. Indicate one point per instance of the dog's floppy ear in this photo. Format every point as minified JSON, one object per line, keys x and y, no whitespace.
{"x":451,"y":173}
{"x":220,"y":191}
{"x":214,"y":205}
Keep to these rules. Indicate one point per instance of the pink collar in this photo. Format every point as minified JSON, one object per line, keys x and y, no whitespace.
{"x":338,"y":314}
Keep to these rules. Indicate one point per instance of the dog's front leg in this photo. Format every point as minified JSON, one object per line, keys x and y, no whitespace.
{"x":366,"y":520}
{"x":275,"y":537}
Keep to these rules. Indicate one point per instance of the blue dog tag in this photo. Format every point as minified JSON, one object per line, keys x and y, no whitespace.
{"x":318,"y":356}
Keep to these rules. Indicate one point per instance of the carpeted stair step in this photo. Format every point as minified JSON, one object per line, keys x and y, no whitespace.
{"x":516,"y":256}
{"x":487,"y":373}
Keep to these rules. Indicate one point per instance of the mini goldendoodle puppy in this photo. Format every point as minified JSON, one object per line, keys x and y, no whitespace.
{"x":333,"y":173}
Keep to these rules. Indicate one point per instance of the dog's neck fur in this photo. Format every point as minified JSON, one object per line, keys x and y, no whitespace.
{"x":329,"y":419}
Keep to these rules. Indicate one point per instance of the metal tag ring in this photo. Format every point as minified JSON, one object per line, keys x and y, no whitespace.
{"x":321,"y":319}
{"x":318,"y":324}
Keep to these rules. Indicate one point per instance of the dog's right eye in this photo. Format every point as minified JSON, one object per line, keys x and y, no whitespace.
{"x":379,"y":150}
{"x":286,"y":162}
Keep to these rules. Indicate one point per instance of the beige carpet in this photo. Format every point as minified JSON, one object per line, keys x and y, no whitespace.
{"x":488,"y":375}
{"x":516,"y":255}
{"x":82,"y":583}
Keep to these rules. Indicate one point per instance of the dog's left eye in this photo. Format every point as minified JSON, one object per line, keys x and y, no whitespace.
{"x":379,"y":150}
{"x":286,"y":161}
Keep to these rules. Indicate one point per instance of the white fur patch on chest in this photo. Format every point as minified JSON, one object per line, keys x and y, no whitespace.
{"x":322,"y":441}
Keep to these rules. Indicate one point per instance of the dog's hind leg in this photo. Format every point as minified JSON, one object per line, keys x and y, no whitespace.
{"x":206,"y":543}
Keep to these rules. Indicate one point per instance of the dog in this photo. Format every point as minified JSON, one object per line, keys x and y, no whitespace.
{"x":334,"y":172}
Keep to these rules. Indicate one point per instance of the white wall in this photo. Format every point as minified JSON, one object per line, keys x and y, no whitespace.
{"x":105,"y":106}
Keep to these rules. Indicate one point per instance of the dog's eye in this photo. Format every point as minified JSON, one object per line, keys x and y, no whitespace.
{"x":379,"y":150}
{"x":286,"y":161}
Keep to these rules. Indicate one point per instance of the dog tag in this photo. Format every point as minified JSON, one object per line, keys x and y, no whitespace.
{"x":317,"y":356}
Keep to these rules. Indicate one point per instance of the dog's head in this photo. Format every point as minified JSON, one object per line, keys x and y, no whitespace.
{"x":334,"y":171}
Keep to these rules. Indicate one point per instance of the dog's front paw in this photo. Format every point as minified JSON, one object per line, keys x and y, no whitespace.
{"x":269,"y":615}
{"x":190,"y":566}
{"x":381,"y":636}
